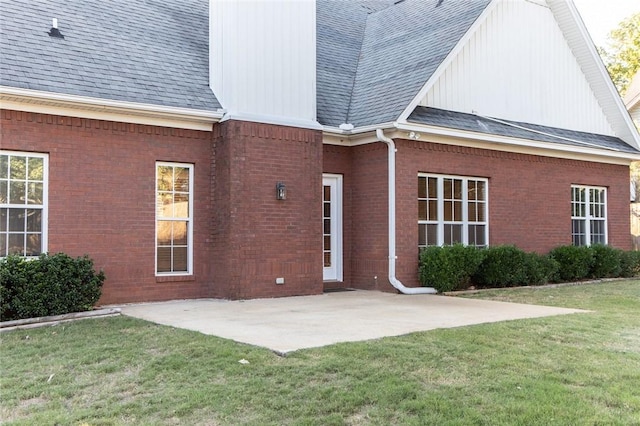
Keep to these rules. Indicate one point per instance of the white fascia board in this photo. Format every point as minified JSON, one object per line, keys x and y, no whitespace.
{"x":508,"y":144}
{"x":273,"y":119}
{"x":349,"y":140}
{"x":106,"y":109}
{"x":357,"y":136}
{"x":580,"y":43}
{"x":447,"y":61}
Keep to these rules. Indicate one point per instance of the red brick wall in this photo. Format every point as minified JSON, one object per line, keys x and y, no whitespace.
{"x":258,"y":238}
{"x":337,"y":160}
{"x":101,"y":197}
{"x":102,"y":202}
{"x":370,"y":264}
{"x":529,"y":196}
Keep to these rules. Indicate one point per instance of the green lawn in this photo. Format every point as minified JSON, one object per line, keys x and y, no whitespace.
{"x":580,"y":369}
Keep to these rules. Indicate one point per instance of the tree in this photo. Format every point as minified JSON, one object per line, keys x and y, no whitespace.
{"x":621,"y":56}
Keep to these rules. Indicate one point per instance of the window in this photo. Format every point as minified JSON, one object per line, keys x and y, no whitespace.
{"x":174,"y":216}
{"x":451,"y":210}
{"x":588,"y":215}
{"x":23,"y":200}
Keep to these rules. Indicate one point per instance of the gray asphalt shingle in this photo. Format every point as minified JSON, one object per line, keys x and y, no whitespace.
{"x":474,"y":123}
{"x":154,"y":51}
{"x":402,"y":47}
{"x":373,"y":56}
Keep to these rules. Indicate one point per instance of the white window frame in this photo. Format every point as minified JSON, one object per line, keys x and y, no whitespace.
{"x":44,"y":207}
{"x":589,"y":217}
{"x":440,"y":222}
{"x":189,"y":220}
{"x":334,"y":272}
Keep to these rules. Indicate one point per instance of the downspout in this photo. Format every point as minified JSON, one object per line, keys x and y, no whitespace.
{"x":395,"y":282}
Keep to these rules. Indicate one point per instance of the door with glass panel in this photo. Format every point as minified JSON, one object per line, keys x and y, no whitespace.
{"x":332,"y":227}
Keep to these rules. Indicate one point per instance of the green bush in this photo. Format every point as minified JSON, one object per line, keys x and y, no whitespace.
{"x":13,"y":277}
{"x":50,"y":285}
{"x":450,"y":267}
{"x":541,"y":269}
{"x":502,"y":266}
{"x":606,"y":261}
{"x":574,"y":262}
{"x":629,"y":264}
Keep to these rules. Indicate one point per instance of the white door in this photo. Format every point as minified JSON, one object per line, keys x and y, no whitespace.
{"x":332,"y":227}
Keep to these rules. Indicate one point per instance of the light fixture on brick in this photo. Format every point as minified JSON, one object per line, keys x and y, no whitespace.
{"x":281,"y":191}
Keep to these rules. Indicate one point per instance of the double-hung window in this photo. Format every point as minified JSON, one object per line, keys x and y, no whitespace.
{"x":588,"y":215}
{"x":452,"y":209}
{"x":23,"y":203}
{"x":174,"y":218}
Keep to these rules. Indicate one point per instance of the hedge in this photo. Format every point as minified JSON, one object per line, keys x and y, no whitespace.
{"x":450,"y":267}
{"x":49,"y":285}
{"x":458,"y":267}
{"x":575,"y":262}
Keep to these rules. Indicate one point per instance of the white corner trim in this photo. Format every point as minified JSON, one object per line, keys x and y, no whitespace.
{"x":447,"y":61}
{"x":106,"y":109}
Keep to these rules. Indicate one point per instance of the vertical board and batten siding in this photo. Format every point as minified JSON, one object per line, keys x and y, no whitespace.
{"x":263,"y":57}
{"x":518,"y":66}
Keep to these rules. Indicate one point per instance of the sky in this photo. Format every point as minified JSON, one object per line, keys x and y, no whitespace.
{"x":602,"y":16}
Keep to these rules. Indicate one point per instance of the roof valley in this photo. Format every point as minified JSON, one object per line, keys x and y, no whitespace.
{"x":355,"y":74}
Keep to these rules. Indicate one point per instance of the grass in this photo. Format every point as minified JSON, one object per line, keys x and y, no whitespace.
{"x":567,"y":370}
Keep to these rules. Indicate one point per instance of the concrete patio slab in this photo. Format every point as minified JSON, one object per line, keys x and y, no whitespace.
{"x":292,"y":323}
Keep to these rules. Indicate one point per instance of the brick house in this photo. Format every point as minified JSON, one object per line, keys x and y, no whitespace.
{"x":258,"y":149}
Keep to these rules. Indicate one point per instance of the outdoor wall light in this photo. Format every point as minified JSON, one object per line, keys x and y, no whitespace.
{"x":281,"y":191}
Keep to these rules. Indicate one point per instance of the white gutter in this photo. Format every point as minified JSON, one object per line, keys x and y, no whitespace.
{"x":343,"y":130}
{"x":511,"y":144}
{"x":395,"y":282}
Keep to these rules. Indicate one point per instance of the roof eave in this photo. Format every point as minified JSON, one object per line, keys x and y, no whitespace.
{"x":37,"y":101}
{"x":428,"y":133}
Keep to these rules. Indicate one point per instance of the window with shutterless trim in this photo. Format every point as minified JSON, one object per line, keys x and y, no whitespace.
{"x":452,"y":209}
{"x":174,"y":218}
{"x":588,"y":215}
{"x":23,"y":203}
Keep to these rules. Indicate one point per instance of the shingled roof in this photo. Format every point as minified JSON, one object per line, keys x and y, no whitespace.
{"x":151,"y":52}
{"x":514,"y":129}
{"x":373,"y":56}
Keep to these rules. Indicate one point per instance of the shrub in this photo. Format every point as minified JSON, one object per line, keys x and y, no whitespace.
{"x":50,"y":285}
{"x":13,"y":276}
{"x":574,"y":262}
{"x":541,"y":269}
{"x":606,"y":261}
{"x":450,"y":267}
{"x":629,"y":264}
{"x":502,"y":266}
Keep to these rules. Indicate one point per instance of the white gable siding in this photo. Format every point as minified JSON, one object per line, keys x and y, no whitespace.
{"x":263,"y":59}
{"x":518,"y":66}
